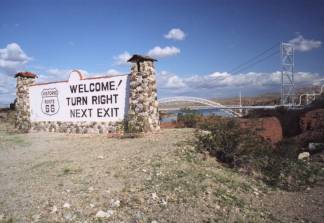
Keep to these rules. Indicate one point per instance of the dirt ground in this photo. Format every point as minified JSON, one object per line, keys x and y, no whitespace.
{"x":50,"y":177}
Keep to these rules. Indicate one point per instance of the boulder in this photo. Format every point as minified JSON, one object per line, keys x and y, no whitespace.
{"x":304,"y":156}
{"x":315,"y":147}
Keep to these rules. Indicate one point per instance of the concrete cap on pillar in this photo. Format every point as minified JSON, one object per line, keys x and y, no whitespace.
{"x":26,"y":74}
{"x":139,"y":58}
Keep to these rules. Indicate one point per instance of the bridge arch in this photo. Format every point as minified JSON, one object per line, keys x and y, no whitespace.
{"x":200,"y":101}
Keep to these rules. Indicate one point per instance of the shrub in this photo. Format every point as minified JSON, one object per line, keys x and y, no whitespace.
{"x":220,"y":139}
{"x":251,"y":154}
{"x":188,"y":118}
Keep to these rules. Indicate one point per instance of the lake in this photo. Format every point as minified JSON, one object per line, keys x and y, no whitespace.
{"x":205,"y":112}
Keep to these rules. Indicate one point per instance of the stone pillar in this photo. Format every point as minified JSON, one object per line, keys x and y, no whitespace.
{"x":24,"y":80}
{"x":143,"y":113}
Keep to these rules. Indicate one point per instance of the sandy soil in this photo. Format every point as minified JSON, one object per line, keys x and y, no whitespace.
{"x":157,"y":178}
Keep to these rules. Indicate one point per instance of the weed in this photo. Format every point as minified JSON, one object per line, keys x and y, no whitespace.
{"x":14,"y":139}
{"x":227,"y":198}
{"x":69,"y":170}
{"x":9,"y":220}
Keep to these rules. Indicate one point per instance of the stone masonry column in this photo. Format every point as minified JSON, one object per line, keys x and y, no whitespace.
{"x":24,"y":80}
{"x":143,"y":113}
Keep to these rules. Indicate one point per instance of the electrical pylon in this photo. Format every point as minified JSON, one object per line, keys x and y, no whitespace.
{"x":288,"y":93}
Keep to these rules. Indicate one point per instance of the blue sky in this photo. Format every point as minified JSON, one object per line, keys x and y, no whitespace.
{"x":209,"y":38}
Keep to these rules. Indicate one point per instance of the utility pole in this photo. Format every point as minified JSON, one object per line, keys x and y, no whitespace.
{"x":288,"y":93}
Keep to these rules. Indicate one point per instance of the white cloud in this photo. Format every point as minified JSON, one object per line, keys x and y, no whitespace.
{"x":7,"y":89}
{"x":301,"y":44}
{"x":58,"y":73}
{"x":122,"y":58}
{"x":55,"y":74}
{"x":158,"y":52}
{"x":175,"y":34}
{"x":113,"y":72}
{"x":222,"y":80}
{"x":170,"y":81}
{"x":13,"y":58}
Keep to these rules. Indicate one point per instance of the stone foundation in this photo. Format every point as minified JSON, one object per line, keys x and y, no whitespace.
{"x":78,"y":127}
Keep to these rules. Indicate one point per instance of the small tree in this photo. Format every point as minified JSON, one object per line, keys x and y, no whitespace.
{"x":188,"y":118}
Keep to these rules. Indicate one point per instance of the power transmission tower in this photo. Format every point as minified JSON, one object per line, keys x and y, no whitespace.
{"x":288,"y":94}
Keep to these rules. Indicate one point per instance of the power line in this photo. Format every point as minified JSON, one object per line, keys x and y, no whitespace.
{"x":253,"y":58}
{"x":256,"y":62}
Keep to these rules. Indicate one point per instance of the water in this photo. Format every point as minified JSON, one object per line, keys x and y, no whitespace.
{"x":205,"y":112}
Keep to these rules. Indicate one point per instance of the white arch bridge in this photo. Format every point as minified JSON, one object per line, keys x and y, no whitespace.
{"x":233,"y":110}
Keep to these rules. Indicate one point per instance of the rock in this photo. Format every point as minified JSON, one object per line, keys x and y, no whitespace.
{"x":154,"y":221}
{"x":54,"y":209}
{"x":92,"y":205}
{"x":115,"y":203}
{"x":304,"y":156}
{"x":69,"y":216}
{"x":315,"y":147}
{"x":90,"y":189}
{"x":102,"y":214}
{"x":36,"y":217}
{"x":164,"y":202}
{"x":154,"y":196}
{"x":66,"y":205}
{"x":100,"y":157}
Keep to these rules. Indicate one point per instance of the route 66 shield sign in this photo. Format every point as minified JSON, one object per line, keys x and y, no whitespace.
{"x":50,"y":102}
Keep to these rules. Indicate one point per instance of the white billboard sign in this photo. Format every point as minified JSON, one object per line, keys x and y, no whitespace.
{"x":101,"y":99}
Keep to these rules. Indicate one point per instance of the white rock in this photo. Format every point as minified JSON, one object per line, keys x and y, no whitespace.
{"x":163,"y":202}
{"x":144,"y":170}
{"x":154,"y":196}
{"x":68,"y":216}
{"x":154,"y":221}
{"x":54,"y":209}
{"x":66,"y":205}
{"x":115,"y":203}
{"x":304,"y":156}
{"x":92,"y":205}
{"x":1,"y":216}
{"x":110,"y":212}
{"x":100,"y":157}
{"x":90,"y":189}
{"x":102,"y":214}
{"x":36,"y":217}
